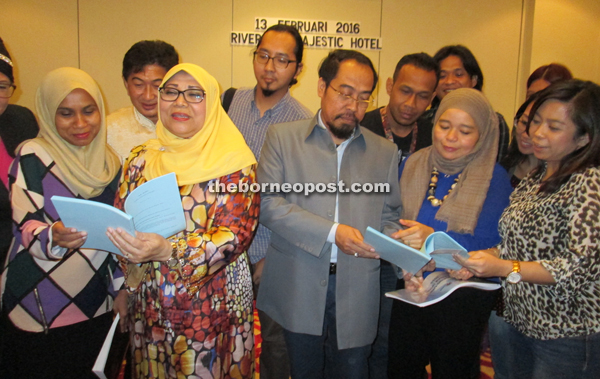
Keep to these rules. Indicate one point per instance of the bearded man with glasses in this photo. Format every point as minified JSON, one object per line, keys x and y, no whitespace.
{"x":321,"y":280}
{"x":277,"y":63}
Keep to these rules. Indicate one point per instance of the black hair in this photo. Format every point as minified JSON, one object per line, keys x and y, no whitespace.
{"x":513,"y":155}
{"x":6,"y":68}
{"x":421,"y":60}
{"x":583,"y":101}
{"x":468,"y":60}
{"x":146,"y":53}
{"x":298,"y":49}
{"x":330,"y":65}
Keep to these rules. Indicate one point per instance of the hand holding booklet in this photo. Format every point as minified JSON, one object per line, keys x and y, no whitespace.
{"x":437,"y":286}
{"x":153,"y":207}
{"x":439,"y":246}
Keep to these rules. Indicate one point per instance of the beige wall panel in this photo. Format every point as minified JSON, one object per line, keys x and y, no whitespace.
{"x":40,"y":36}
{"x":367,"y":12}
{"x":43,"y":35}
{"x":199,"y":30}
{"x":490,"y":29}
{"x":568,"y":32}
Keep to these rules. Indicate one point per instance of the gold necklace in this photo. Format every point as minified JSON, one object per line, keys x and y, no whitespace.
{"x":433,"y":185}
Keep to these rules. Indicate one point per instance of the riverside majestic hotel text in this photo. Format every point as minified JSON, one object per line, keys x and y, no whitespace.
{"x":306,"y":188}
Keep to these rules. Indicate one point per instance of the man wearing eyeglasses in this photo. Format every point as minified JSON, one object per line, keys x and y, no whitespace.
{"x":144,"y":66}
{"x":411,"y":90}
{"x":277,"y":63}
{"x":321,"y":281}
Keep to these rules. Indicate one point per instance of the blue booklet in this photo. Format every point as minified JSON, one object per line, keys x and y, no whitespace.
{"x":439,"y":246}
{"x":153,"y":207}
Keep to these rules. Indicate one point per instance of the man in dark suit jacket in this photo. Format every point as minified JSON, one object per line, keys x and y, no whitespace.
{"x":321,"y":281}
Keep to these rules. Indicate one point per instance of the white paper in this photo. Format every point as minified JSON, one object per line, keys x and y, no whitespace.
{"x":100,"y":363}
{"x":438,"y":286}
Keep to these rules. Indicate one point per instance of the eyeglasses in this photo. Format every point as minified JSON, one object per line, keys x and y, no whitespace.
{"x":190,"y":95}
{"x":280,"y":63}
{"x":361,"y":103}
{"x":521,"y":123}
{"x":7,"y":90}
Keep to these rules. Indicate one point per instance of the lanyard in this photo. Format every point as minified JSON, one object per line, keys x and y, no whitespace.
{"x":390,"y":136}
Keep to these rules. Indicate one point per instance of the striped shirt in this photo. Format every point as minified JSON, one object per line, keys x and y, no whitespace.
{"x":246,"y":116}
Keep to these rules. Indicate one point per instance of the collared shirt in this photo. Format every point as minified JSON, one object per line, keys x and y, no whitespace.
{"x":246,"y":116}
{"x":340,"y":154}
{"x":128,"y":128}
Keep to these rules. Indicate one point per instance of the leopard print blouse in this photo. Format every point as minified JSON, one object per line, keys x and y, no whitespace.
{"x":561,"y":231}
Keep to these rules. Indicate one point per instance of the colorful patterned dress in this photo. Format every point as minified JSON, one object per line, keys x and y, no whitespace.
{"x":195,"y":320}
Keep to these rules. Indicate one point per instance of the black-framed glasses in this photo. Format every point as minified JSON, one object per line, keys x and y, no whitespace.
{"x":361,"y":103}
{"x":278,"y":62}
{"x":190,"y":95}
{"x":7,"y":90}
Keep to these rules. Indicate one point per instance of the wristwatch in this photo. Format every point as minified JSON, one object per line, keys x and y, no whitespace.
{"x":173,"y":261}
{"x":515,"y":275}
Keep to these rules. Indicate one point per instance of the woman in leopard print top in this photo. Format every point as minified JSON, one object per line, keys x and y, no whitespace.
{"x":550,"y":249}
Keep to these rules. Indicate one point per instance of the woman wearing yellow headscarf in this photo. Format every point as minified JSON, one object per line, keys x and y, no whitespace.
{"x":192,"y":308}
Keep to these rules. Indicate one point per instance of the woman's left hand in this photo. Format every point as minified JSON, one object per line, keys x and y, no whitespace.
{"x":414,"y":235}
{"x":143,"y":247}
{"x":484,"y":264}
{"x":412,"y":283}
{"x":121,"y":306}
{"x":462,"y":274}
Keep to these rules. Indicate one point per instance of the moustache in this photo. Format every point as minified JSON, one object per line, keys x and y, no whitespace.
{"x":347,"y":115}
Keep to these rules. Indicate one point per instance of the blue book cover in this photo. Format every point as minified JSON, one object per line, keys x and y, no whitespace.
{"x":153,"y":207}
{"x":439,"y":246}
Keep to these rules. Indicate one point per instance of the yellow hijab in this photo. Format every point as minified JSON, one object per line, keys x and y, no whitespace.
{"x":87,"y":169}
{"x":217,"y":149}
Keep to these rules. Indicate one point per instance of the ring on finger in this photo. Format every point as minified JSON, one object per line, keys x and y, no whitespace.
{"x":356,"y":255}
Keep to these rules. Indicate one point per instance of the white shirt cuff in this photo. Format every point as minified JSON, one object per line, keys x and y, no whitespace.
{"x":331,"y":236}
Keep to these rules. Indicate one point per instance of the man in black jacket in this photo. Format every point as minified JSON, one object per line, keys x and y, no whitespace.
{"x":411,"y":90}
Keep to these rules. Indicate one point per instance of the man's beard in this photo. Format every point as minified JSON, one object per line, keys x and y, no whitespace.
{"x":344,"y":131}
{"x":267,"y":92}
